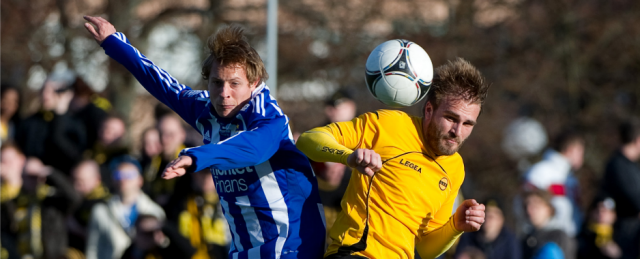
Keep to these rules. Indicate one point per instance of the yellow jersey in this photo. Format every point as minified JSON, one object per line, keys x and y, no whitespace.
{"x":410,"y":198}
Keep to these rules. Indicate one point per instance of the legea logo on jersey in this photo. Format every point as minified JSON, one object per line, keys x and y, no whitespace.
{"x":411,"y":165}
{"x":227,"y":181}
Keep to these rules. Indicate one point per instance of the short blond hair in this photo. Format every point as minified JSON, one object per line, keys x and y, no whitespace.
{"x":460,"y":79}
{"x":229,"y":46}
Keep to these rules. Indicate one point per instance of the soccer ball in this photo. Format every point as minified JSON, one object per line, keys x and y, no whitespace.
{"x":399,"y":73}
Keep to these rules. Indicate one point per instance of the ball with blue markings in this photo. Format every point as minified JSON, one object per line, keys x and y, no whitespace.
{"x":399,"y":73}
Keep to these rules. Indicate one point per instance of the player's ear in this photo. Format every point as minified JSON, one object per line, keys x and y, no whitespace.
{"x":255,"y":84}
{"x":428,"y":110}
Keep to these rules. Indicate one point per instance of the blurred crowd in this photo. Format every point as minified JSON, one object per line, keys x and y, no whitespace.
{"x":72,"y":187}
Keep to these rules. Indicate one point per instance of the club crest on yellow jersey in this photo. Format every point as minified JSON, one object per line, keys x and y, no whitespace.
{"x":444,"y":182}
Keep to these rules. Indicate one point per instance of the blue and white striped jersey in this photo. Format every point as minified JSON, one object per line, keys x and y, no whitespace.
{"x":267,"y":189}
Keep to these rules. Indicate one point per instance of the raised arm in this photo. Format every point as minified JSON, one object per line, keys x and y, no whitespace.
{"x":340,"y":142}
{"x":247,"y":148}
{"x":158,"y":82}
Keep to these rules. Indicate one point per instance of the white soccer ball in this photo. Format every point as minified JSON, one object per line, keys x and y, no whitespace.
{"x":399,"y":73}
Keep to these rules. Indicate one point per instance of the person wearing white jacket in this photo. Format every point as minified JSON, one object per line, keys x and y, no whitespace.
{"x":112,"y":224}
{"x":555,"y":175}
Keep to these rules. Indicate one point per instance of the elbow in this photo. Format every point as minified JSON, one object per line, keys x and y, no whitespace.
{"x":304,"y":142}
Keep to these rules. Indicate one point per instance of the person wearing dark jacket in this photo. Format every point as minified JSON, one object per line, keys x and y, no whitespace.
{"x":86,"y":182}
{"x":156,"y":240}
{"x":596,"y":238}
{"x":493,"y":239}
{"x":9,"y":106}
{"x":37,"y":213}
{"x":197,"y":213}
{"x":89,"y":108}
{"x":543,"y":241}
{"x":621,"y":181}
{"x":172,"y":137}
{"x":53,"y":135}
{"x":12,"y":162}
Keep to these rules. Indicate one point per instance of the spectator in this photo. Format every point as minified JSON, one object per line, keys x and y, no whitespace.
{"x":472,"y":253}
{"x":199,"y":217}
{"x":154,"y":239}
{"x":53,"y":135}
{"x":596,"y":238}
{"x":45,"y":196}
{"x":9,"y":119}
{"x":494,"y":240}
{"x":333,"y":178}
{"x":150,"y":155}
{"x":111,"y":226}
{"x":340,"y":107}
{"x":172,"y":137}
{"x":89,"y":108}
{"x":87,"y":182}
{"x":621,"y":182}
{"x":555,"y":175}
{"x":543,"y":241}
{"x":110,"y":141}
{"x":11,"y":162}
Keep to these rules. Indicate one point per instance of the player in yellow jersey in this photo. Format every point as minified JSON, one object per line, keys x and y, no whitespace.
{"x":410,"y":172}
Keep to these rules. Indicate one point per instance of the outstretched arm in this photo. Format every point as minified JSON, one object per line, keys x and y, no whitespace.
{"x":247,"y":148}
{"x":341,"y":142}
{"x":157,"y":81}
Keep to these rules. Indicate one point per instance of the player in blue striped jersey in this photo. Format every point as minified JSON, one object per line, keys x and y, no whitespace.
{"x":267,"y":189}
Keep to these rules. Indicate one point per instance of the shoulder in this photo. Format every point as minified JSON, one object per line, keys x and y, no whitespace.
{"x":196,"y":95}
{"x":261,"y":106}
{"x":146,"y":206}
{"x":556,"y":235}
{"x":393,"y":119}
{"x":100,"y":211}
{"x":391,"y":115}
{"x":455,"y":160}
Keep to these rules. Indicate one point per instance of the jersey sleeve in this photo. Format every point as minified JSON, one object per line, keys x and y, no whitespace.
{"x":336,"y":141}
{"x":438,"y":241}
{"x":266,"y":129}
{"x":180,"y":98}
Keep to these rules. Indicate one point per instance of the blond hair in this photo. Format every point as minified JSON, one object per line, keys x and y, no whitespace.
{"x":228,"y":46}
{"x":460,"y":79}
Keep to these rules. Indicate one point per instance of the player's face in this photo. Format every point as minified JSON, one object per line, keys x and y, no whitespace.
{"x":447,"y":127}
{"x":229,"y":88}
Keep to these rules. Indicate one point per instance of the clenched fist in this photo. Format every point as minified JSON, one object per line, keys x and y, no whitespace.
{"x":469,"y":217}
{"x":366,"y":161}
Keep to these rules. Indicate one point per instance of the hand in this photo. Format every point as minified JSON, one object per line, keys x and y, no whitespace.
{"x":104,"y":28}
{"x":611,"y":250}
{"x":35,"y":167}
{"x":366,"y":161}
{"x":64,"y":99}
{"x":469,"y":216}
{"x":177,"y":167}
